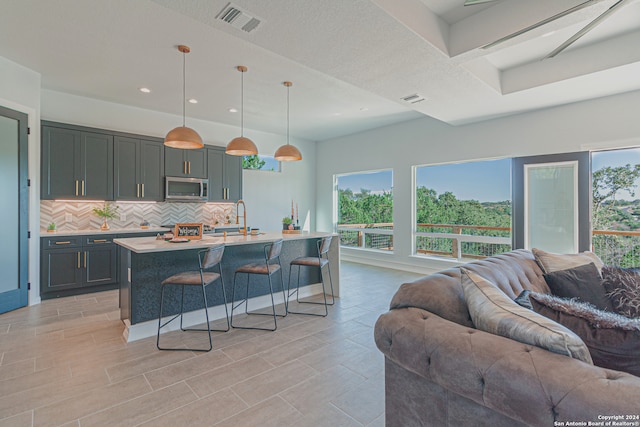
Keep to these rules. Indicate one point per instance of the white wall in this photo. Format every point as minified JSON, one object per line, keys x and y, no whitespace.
{"x":608,"y":122}
{"x":267,"y":195}
{"x":20,"y":91}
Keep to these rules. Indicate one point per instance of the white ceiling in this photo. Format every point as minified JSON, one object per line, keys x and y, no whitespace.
{"x":351,"y":61}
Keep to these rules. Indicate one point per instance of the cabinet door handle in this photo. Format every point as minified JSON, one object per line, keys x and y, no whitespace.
{"x":76,"y":187}
{"x":100,"y":241}
{"x":67,"y":242}
{"x":83,"y":192}
{"x":142,"y":185}
{"x":78,"y":259}
{"x":85,"y":259}
{"x":137,"y":190}
{"x":184,"y":168}
{"x":189,"y":163}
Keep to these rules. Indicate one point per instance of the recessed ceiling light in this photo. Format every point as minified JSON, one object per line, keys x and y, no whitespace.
{"x":337,"y":114}
{"x":145,"y":90}
{"x":193,"y":101}
{"x":550,"y":33}
{"x":364,"y":109}
{"x":233,"y":110}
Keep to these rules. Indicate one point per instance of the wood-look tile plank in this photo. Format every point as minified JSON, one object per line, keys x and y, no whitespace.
{"x":52,"y":392}
{"x":203,"y":412}
{"x":150,"y":362}
{"x":228,"y":375}
{"x":272,"y":382}
{"x":24,"y":419}
{"x":170,"y":374}
{"x":273,"y":412}
{"x":86,"y":404}
{"x":143,"y":408}
{"x":320,"y":389}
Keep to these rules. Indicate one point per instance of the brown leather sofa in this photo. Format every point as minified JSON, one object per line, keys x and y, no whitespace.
{"x":441,"y":371}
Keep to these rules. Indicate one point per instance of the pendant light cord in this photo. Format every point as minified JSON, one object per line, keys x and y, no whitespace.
{"x":242,"y":103}
{"x":288,"y":114}
{"x":184,"y":90}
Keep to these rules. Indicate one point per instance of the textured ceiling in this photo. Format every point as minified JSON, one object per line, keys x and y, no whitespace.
{"x":351,"y":61}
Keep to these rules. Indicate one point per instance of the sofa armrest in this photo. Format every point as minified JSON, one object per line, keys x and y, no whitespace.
{"x":523,"y":382}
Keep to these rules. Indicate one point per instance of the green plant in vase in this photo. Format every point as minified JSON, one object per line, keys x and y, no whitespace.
{"x":286,"y":223}
{"x":109,"y":211}
{"x":51,"y":228}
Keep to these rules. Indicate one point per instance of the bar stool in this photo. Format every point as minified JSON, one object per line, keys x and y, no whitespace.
{"x":320,"y":262}
{"x":270,"y":266}
{"x":207,"y":259}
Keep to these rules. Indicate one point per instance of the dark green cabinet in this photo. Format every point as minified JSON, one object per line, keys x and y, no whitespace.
{"x":76,"y":164}
{"x":138,"y":169}
{"x":225,"y":175}
{"x":185,"y":163}
{"x":77,"y":264}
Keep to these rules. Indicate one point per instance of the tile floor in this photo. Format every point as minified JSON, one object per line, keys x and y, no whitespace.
{"x":64,"y":363}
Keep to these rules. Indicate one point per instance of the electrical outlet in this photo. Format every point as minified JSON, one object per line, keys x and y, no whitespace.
{"x":68,"y":217}
{"x":123,"y":216}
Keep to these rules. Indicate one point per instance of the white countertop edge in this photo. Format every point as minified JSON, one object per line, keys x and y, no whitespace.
{"x":143,"y":245}
{"x":92,"y":231}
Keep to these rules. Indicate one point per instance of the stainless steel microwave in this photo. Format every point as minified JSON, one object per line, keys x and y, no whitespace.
{"x":186,"y":189}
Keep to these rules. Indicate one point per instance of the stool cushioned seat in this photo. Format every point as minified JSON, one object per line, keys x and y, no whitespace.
{"x":310,"y":261}
{"x":191,"y":278}
{"x":256,"y":268}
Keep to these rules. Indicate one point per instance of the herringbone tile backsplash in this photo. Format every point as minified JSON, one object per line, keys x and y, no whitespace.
{"x":132,"y":214}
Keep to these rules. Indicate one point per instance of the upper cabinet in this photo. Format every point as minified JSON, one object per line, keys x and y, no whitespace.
{"x":138,"y":169}
{"x":185,"y":163}
{"x":225,"y":175}
{"x":76,"y":164}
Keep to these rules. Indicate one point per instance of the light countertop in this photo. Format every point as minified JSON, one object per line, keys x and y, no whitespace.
{"x":44,"y":233}
{"x":150,"y":244}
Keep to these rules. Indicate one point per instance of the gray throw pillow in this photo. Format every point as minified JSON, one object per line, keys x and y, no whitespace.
{"x":550,"y":262}
{"x":493,"y":311}
{"x":583,"y":282}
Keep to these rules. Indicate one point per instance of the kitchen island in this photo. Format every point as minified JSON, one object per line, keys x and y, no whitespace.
{"x":145,"y":262}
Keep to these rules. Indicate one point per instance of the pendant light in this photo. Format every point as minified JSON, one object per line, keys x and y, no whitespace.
{"x":182,"y":136}
{"x":241,"y":146}
{"x":288,"y":152}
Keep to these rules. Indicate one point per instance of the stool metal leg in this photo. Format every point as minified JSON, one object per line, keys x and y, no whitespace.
{"x":297,"y":292}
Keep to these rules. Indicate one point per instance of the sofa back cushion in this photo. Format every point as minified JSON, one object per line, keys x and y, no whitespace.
{"x":494,"y":312}
{"x":441,"y":293}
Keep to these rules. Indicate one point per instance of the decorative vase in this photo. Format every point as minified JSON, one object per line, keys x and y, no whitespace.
{"x":104,"y":225}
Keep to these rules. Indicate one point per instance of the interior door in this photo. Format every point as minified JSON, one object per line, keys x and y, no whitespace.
{"x":14,"y":215}
{"x":552,"y":202}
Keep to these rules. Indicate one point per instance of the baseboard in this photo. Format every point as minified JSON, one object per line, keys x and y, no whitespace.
{"x":192,"y":318}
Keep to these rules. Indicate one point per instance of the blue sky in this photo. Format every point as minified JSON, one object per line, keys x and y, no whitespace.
{"x":614,"y":158}
{"x":485,"y":181}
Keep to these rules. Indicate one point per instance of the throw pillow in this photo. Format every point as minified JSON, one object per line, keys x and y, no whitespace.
{"x":623,"y":288}
{"x":523,"y":299}
{"x":493,"y":311}
{"x":613,"y":340}
{"x":583,"y":283}
{"x":550,"y":262}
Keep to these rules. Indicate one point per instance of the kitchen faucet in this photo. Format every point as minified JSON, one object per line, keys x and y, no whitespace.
{"x":244,"y":216}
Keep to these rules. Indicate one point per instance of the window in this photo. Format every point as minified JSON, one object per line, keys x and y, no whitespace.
{"x":260,"y":162}
{"x":365,"y":210}
{"x":463,"y":211}
{"x":615,"y":213}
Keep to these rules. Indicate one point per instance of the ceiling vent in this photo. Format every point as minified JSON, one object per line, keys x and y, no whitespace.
{"x":413,"y":99}
{"x":232,"y":14}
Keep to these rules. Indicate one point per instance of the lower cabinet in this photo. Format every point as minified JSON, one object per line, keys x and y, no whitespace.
{"x":77,"y":264}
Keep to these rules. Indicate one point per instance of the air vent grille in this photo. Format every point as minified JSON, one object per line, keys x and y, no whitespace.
{"x":413,"y":98}
{"x":238,"y":18}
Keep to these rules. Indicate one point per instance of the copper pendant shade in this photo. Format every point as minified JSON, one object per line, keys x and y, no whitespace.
{"x":287,"y":152}
{"x":241,"y":145}
{"x":182,"y":136}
